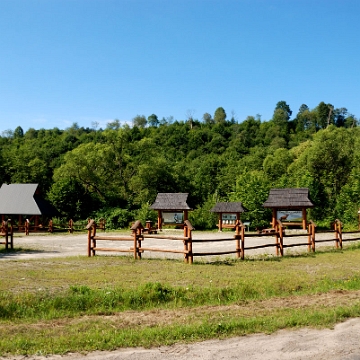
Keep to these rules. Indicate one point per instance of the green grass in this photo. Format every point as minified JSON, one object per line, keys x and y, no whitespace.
{"x":106,"y":302}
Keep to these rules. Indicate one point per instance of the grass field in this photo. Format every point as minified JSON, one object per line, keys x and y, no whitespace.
{"x":58,"y":305}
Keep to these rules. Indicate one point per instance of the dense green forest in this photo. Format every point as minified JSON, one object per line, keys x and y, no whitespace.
{"x":116,"y":172}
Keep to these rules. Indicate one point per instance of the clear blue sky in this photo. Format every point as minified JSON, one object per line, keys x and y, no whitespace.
{"x":85,"y":61}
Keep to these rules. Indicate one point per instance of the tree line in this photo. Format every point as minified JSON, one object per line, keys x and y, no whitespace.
{"x":117,"y":172}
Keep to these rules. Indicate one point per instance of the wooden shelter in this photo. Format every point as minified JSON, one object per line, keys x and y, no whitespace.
{"x":229,"y":213}
{"x":172,"y":208}
{"x":25,"y":200}
{"x":289,"y":206}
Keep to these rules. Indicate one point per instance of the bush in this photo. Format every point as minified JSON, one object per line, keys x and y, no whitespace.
{"x":116,"y":218}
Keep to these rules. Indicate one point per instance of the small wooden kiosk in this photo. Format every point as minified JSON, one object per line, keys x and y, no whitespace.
{"x":289,"y":206}
{"x":229,"y":213}
{"x":172,"y":208}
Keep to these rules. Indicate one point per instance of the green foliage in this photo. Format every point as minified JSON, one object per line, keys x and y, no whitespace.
{"x":84,"y":170}
{"x":252,"y":189}
{"x":116,"y":218}
{"x":220,"y":115}
{"x":71,"y":199}
{"x":201,"y":217}
{"x":145,"y":213}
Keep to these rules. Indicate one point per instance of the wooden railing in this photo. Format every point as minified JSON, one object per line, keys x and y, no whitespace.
{"x":275,"y":237}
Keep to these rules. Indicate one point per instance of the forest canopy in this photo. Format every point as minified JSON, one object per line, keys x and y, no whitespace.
{"x":117,"y":172}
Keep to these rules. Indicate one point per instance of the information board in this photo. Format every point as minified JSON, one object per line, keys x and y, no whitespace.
{"x":289,"y":215}
{"x":173,"y":217}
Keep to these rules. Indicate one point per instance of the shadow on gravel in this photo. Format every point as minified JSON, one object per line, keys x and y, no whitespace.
{"x":8,"y":253}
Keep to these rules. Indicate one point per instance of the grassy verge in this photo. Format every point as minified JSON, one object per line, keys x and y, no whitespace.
{"x":102,"y":303}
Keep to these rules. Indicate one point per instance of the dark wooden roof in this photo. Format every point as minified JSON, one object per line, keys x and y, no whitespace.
{"x":23,"y":199}
{"x":288,"y":198}
{"x":228,"y":207}
{"x":171,"y":201}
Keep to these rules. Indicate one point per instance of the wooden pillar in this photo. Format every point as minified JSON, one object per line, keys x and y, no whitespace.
{"x":274,"y":217}
{"x":186,"y":248}
{"x":281,"y":238}
{"x":159,"y":219}
{"x":185,"y":215}
{"x":93,"y":239}
{"x":135,"y":235}
{"x":238,"y":229}
{"x":89,"y":241}
{"x":304,"y":221}
{"x":220,"y":221}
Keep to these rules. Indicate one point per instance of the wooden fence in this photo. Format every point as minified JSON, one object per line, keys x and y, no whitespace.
{"x":274,"y":237}
{"x":136,"y":239}
{"x":7,"y":232}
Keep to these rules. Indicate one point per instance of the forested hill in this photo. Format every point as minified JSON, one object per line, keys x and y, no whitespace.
{"x":117,"y":172}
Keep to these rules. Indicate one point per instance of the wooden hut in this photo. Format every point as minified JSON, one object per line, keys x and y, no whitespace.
{"x":229,"y":213}
{"x":289,"y":206}
{"x":172,"y":208}
{"x":25,"y":200}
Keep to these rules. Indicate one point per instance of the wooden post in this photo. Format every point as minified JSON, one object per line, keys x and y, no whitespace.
{"x":338,"y":233}
{"x":6,"y":233}
{"x":312,"y":227}
{"x":243,"y":242}
{"x":190,"y":254}
{"x":89,"y":229}
{"x":188,"y":228}
{"x":135,"y":235}
{"x":335,"y":225}
{"x":139,"y":237}
{"x":274,"y":217}
{"x":304,"y":221}
{"x":238,"y":228}
{"x":11,"y":234}
{"x":186,"y":248}
{"x":220,"y":222}
{"x":71,"y":226}
{"x":51,"y":226}
{"x":277,"y":243}
{"x":281,"y":235}
{"x":159,"y":220}
{"x":93,"y":239}
{"x":27,"y":227}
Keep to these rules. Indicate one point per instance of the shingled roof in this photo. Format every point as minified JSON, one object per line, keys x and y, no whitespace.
{"x":171,"y":201}
{"x":288,"y":198}
{"x":228,"y":207}
{"x":23,"y":199}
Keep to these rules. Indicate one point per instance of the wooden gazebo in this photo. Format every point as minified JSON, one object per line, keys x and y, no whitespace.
{"x":24,"y":200}
{"x":172,"y":208}
{"x":289,"y":206}
{"x":229,"y":213}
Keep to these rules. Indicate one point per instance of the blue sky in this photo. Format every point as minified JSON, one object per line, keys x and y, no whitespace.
{"x":86,"y":61}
